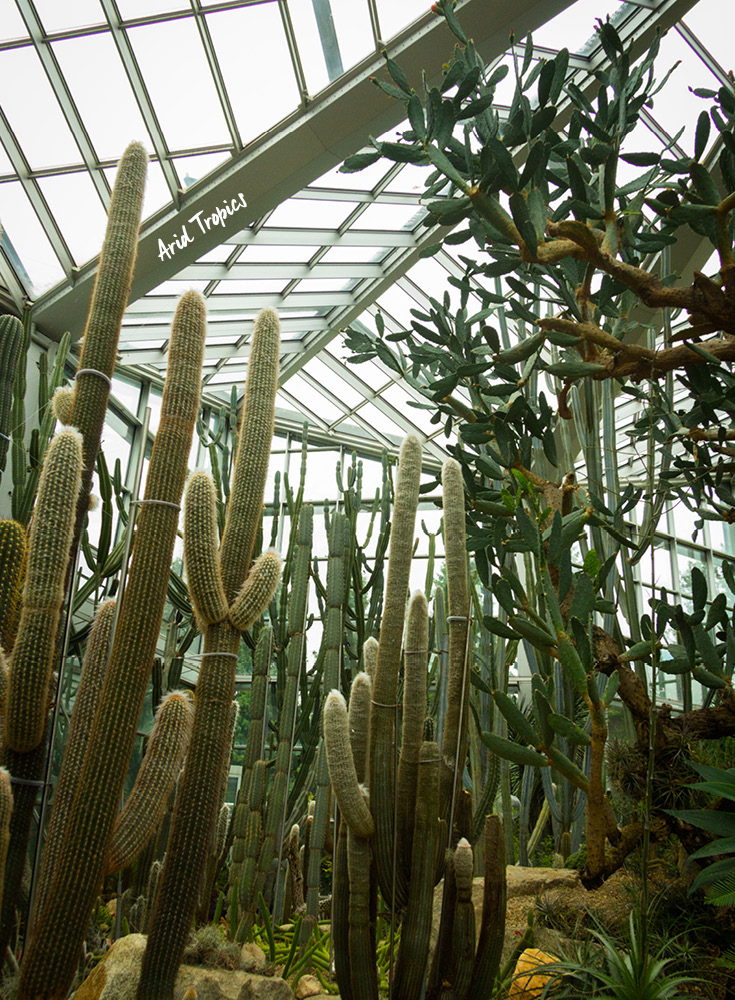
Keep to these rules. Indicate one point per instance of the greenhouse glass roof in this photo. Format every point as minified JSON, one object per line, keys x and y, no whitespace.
{"x":254,"y":104}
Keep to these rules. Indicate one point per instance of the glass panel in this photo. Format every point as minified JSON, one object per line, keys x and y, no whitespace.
{"x":144,"y":8}
{"x":180,"y":84}
{"x":192,"y":168}
{"x":687,"y":560}
{"x":12,"y":22}
{"x":78,"y":212}
{"x":304,"y":213}
{"x":394,"y":17}
{"x":575,"y":25}
{"x":361,"y":180}
{"x":25,"y":241}
{"x":91,"y":66}
{"x":265,"y":71}
{"x":28,"y":100}
{"x":61,"y":16}
{"x":676,"y":106}
{"x":714,"y":25}
{"x":390,"y":217}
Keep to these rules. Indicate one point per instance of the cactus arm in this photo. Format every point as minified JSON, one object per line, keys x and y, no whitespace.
{"x":385,"y":682}
{"x":341,"y":915}
{"x":454,"y":736}
{"x":342,"y":773}
{"x":82,"y":718}
{"x":415,"y":658}
{"x":359,"y":723}
{"x":492,"y":926}
{"x":255,"y":594}
{"x":146,"y":804}
{"x":50,"y":540}
{"x":13,"y":555}
{"x":11,"y":345}
{"x":245,"y":503}
{"x":201,"y":551}
{"x":51,"y":956}
{"x":410,"y":974}
{"x":370,"y":656}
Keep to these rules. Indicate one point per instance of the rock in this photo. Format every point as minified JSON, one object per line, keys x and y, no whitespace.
{"x":252,"y":957}
{"x":527,"y":982}
{"x":307,"y":986}
{"x":116,"y":978}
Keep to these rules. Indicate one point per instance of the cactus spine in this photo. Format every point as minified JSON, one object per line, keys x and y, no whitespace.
{"x":82,"y":718}
{"x":197,"y":804}
{"x":51,"y":956}
{"x":146,"y":804}
{"x":11,"y":345}
{"x":13,"y":554}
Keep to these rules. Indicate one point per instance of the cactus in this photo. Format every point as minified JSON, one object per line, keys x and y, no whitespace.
{"x":87,"y":409}
{"x":6,"y":809}
{"x":342,"y":772}
{"x":32,"y":661}
{"x":415,"y":657}
{"x":11,"y":346}
{"x":146,"y":804}
{"x":197,"y":805}
{"x":52,"y":952}
{"x":85,"y":706}
{"x":249,"y":889}
{"x":385,"y":681}
{"x":13,"y":554}
{"x":454,"y":737}
{"x":463,"y":929}
{"x":492,"y":923}
{"x":256,"y":592}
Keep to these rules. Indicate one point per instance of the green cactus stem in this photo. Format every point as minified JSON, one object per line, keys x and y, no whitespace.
{"x":53,"y":950}
{"x":11,"y":346}
{"x":342,"y":773}
{"x":370,"y":656}
{"x":454,"y":737}
{"x":144,"y":809}
{"x":363,"y":970}
{"x":359,"y":723}
{"x":32,"y":660}
{"x":13,"y":555}
{"x":410,"y":974}
{"x":256,"y":593}
{"x":197,"y":803}
{"x":82,"y":718}
{"x":279,"y":788}
{"x":245,"y":505}
{"x":492,"y":925}
{"x":415,"y":658}
{"x":201,"y":552}
{"x":341,"y":915}
{"x":109,"y":301}
{"x":463,"y":928}
{"x":6,"y":810}
{"x":385,"y":681}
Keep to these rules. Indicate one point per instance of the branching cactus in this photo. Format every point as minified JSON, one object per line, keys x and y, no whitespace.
{"x":13,"y":553}
{"x":11,"y":345}
{"x":219,"y":582}
{"x":51,"y":956}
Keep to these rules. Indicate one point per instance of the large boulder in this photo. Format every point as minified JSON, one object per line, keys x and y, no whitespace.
{"x":116,"y":978}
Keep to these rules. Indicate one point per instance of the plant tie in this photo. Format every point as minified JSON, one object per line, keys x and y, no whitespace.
{"x":164,"y":503}
{"x":93,"y":371}
{"x":26,"y":781}
{"x":233,"y":655}
{"x":381,"y":704}
{"x":6,"y":436}
{"x":457,"y":618}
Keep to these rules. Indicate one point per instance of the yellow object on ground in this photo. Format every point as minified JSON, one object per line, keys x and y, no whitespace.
{"x":528,"y":984}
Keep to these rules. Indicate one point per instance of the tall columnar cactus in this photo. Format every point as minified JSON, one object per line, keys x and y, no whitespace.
{"x":87,"y":407}
{"x":82,"y":718}
{"x":11,"y":344}
{"x":32,"y":661}
{"x":146,"y":804}
{"x":214,"y":591}
{"x":13,"y":553}
{"x":298,"y":603}
{"x":385,"y":681}
{"x":454,"y":738}
{"x":6,"y":810}
{"x":51,"y":956}
{"x":415,"y":658}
